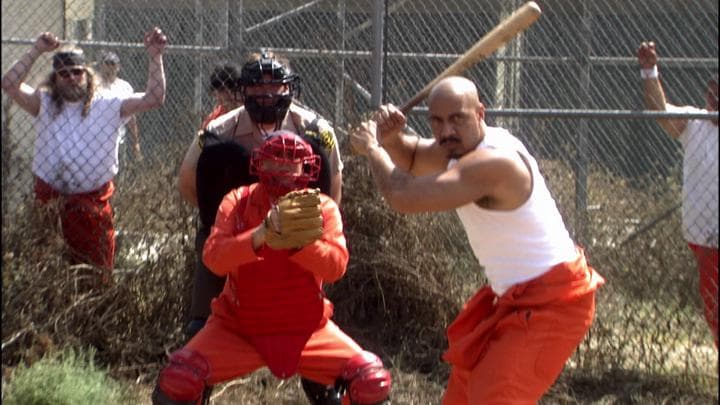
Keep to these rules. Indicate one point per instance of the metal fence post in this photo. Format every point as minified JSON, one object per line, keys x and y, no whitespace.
{"x":378,"y":17}
{"x":581,"y":161}
{"x":198,"y":62}
{"x":340,"y":62}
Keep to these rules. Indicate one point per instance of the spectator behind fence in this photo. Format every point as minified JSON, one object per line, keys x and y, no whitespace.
{"x":699,"y":139}
{"x":223,"y":85}
{"x":277,"y":242}
{"x":76,"y":150}
{"x":266,"y":87}
{"x":108,"y":67}
{"x":512,"y":339}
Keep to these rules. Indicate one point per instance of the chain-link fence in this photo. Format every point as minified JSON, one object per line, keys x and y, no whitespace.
{"x":569,"y":87}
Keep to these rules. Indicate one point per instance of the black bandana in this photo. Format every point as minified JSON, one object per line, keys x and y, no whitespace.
{"x":64,"y":59}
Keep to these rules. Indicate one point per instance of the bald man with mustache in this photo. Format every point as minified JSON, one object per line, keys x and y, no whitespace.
{"x":511,"y":340}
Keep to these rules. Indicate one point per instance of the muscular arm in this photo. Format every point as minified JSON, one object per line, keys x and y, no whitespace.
{"x":188,"y":171}
{"x":411,"y":153}
{"x":653,"y":92}
{"x":135,"y":134}
{"x":654,"y":96}
{"x":416,"y":155}
{"x":13,"y":82}
{"x":154,"y":95}
{"x":502,"y":181}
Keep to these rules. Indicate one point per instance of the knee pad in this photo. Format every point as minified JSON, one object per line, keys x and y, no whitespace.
{"x":366,"y":379}
{"x":183,"y":379}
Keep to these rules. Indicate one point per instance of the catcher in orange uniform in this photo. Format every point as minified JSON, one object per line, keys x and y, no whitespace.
{"x":277,"y":242}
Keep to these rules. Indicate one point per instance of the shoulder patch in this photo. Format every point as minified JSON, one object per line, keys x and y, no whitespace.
{"x":324,"y":137}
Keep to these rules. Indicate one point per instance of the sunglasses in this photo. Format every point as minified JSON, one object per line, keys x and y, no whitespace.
{"x":66,"y":73}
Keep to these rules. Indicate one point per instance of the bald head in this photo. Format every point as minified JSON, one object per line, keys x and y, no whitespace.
{"x":456,"y":115}
{"x":455,"y":87}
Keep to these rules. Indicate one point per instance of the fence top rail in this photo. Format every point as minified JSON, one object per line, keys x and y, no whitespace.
{"x":349,"y":53}
{"x":119,"y":45}
{"x":578,"y":113}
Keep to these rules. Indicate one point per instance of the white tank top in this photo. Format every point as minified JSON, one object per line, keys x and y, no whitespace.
{"x":522,"y":244}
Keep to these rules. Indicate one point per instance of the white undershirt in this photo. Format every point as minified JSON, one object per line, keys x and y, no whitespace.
{"x":118,"y":88}
{"x":700,"y":179}
{"x":518,"y":245}
{"x":75,"y":154}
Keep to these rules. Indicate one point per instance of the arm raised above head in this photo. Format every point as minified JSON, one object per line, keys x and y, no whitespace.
{"x":653,"y":92}
{"x":154,"y":95}
{"x":13,"y":81}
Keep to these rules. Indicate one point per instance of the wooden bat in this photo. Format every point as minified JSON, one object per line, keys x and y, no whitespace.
{"x":516,"y":23}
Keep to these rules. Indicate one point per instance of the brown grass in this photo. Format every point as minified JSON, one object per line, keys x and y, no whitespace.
{"x":407,"y":279}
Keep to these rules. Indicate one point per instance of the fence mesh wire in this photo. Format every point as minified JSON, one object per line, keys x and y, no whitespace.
{"x":617,"y":179}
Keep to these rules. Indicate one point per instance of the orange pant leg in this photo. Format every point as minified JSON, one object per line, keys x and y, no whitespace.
{"x":526,"y":354}
{"x":707,"y":262}
{"x":326,"y":353}
{"x":228,"y":354}
{"x":87,"y":223}
{"x":88,"y":227}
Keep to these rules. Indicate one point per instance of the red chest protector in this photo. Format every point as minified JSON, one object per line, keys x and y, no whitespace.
{"x":275,"y":304}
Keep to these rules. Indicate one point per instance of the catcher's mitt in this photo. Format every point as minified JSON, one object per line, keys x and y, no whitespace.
{"x":295,"y":221}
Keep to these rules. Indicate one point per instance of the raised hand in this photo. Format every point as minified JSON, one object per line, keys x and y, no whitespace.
{"x":155,"y":41}
{"x":647,"y":56}
{"x":46,"y":42}
{"x":390,"y":123}
{"x":362,"y":138}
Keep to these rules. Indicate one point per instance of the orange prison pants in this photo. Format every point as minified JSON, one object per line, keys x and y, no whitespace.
{"x":230,"y":356}
{"x":87,"y":223}
{"x":511,"y":349}
{"x":707,"y":262}
{"x":524,"y":357}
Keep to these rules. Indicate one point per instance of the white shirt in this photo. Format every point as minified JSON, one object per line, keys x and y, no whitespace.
{"x":700,"y":179}
{"x":118,"y":88}
{"x":522,"y":244}
{"x":75,"y":154}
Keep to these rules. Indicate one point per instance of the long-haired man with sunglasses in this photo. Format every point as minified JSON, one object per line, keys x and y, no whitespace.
{"x":76,"y":149}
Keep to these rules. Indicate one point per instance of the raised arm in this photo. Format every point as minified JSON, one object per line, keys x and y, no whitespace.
{"x":653,"y":92}
{"x":13,"y":82}
{"x":135,"y":136}
{"x":498,"y":180}
{"x":154,"y":96}
{"x":416,"y":155}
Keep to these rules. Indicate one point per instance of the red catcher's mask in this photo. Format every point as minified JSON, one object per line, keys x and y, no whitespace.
{"x":284,"y":163}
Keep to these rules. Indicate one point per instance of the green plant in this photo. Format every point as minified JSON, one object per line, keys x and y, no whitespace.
{"x":66,"y":377}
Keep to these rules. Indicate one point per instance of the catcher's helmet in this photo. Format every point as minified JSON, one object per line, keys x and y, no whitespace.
{"x":268,"y":108}
{"x":285,"y":162}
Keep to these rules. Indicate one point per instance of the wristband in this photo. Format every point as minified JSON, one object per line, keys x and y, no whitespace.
{"x":650,"y":73}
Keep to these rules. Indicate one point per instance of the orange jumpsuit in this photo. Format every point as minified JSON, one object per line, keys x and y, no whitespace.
{"x":272,"y":311}
{"x":216,"y":112}
{"x":87,"y":224}
{"x":707,"y":261}
{"x":510,"y":349}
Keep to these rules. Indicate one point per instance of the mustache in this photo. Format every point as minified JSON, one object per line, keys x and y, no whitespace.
{"x":449,"y":139}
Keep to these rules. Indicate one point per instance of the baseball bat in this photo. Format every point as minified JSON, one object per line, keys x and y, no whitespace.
{"x":506,"y":30}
